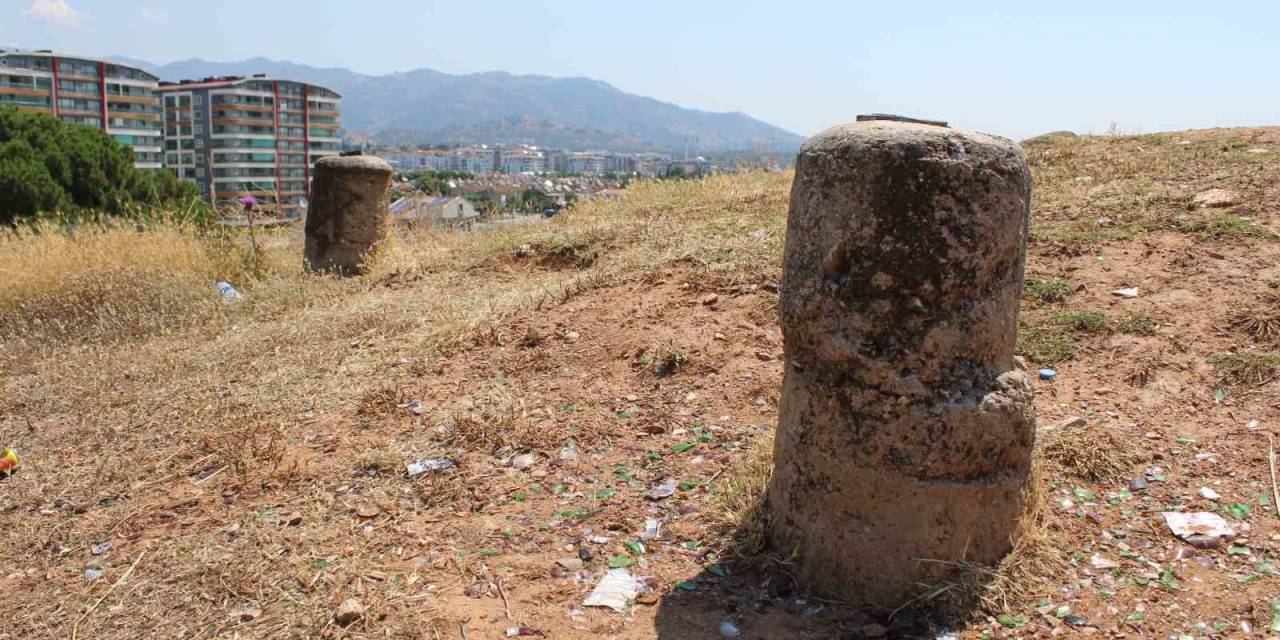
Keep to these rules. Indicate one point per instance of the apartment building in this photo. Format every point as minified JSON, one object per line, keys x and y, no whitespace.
{"x":249,"y":136}
{"x":577,"y":163}
{"x":521,"y":160}
{"x":117,"y":98}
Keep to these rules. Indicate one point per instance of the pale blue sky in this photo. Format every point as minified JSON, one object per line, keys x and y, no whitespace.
{"x":1014,"y":68}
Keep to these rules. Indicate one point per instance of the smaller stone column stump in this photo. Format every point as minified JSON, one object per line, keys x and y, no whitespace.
{"x":347,"y":217}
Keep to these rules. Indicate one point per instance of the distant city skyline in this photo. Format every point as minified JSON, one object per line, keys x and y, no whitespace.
{"x":1011,"y":68}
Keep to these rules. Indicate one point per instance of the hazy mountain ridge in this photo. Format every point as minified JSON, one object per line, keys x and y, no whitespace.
{"x":425,"y":105}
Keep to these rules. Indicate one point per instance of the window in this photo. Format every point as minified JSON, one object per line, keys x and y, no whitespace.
{"x":198,"y":129}
{"x":198,"y":98}
{"x":199,"y":172}
{"x":199,"y":142}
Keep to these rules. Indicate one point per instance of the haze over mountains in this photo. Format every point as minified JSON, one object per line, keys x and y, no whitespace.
{"x":428,"y":106}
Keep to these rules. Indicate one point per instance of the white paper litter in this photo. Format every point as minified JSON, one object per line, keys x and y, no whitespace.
{"x":652,"y":529}
{"x":614,"y":590}
{"x":1127,"y":292}
{"x":423,"y":466}
{"x":1200,"y":524}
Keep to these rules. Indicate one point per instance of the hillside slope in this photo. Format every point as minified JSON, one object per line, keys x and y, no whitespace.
{"x":245,"y":462}
{"x":424,"y":105}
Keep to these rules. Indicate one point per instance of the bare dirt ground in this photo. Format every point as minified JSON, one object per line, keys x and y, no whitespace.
{"x":242,"y":474}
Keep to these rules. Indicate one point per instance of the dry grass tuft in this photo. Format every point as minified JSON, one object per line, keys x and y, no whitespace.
{"x":1262,"y":323}
{"x":103,"y":282}
{"x":739,"y":518}
{"x":1246,"y":367}
{"x":976,"y":590}
{"x":1090,"y":452}
{"x":500,"y":423}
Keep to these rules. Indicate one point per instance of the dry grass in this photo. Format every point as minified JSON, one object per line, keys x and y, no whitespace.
{"x":976,"y":590}
{"x":107,"y":282}
{"x":739,"y":519}
{"x":1246,"y":367}
{"x":1262,"y":322}
{"x":125,"y":381}
{"x":122,"y":370}
{"x":1091,"y":452}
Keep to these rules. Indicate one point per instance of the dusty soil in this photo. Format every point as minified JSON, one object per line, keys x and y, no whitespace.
{"x":673,"y":376}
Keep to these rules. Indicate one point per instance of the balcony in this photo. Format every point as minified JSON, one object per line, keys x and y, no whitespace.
{"x":22,"y":90}
{"x":243,"y":106}
{"x":248,"y":122}
{"x":82,"y":77}
{"x":130,"y":99}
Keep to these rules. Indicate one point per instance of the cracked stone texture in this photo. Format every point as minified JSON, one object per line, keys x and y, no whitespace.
{"x":347,"y":218}
{"x":906,"y":425}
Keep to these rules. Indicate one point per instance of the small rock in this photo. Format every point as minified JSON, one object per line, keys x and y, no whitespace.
{"x":367,"y":509}
{"x":415,"y":406}
{"x":1126,"y":292}
{"x":1076,"y":620}
{"x":247,"y":614}
{"x":1216,"y":198}
{"x":1099,"y":561}
{"x":874,"y":630}
{"x":710,"y":299}
{"x":664,"y":490}
{"x":1209,"y":494}
{"x":647,"y":599}
{"x":349,"y":611}
{"x":584,"y":554}
{"x":523,"y":461}
{"x":571,"y":564}
{"x":1138,"y":483}
{"x":1074,"y":422}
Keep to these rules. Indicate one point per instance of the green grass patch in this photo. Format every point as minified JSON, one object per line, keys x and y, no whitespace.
{"x":1047,"y":343}
{"x":1083,"y":321}
{"x":1047,"y":290}
{"x":1136,"y":324}
{"x":1223,"y":227}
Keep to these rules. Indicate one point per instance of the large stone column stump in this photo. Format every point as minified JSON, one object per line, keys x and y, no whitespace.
{"x":347,"y":217}
{"x":906,"y":427}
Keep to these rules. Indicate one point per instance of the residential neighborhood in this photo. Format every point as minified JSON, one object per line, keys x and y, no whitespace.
{"x":518,"y":159}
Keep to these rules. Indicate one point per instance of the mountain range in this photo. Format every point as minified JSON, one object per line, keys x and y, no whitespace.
{"x":425,"y":106}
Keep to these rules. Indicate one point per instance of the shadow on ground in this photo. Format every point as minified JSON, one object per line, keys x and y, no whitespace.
{"x":742,"y":601}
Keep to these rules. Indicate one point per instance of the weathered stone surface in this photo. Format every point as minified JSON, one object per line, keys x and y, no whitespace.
{"x":347,"y":218}
{"x":349,"y":611}
{"x":1216,"y":198}
{"x":906,"y":425}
